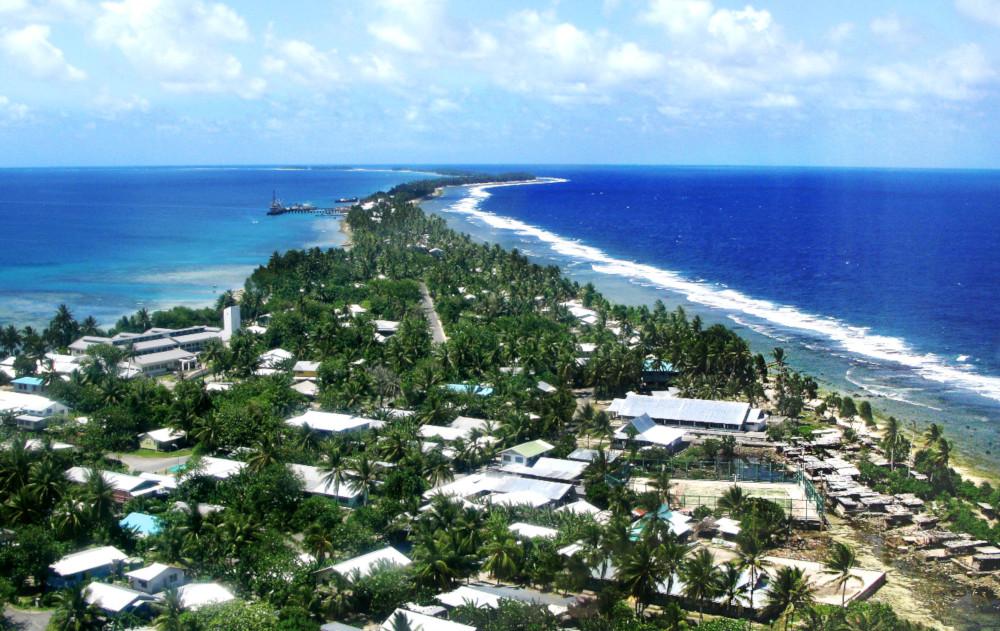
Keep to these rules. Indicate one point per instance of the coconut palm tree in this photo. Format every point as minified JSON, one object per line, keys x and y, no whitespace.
{"x":99,"y":495}
{"x":400,"y":622}
{"x":790,"y":594}
{"x":363,"y":474}
{"x":751,"y":558}
{"x":640,"y":571}
{"x":73,"y":612}
{"x":502,"y":554}
{"x":932,"y":435}
{"x":335,"y":468}
{"x":438,"y":560}
{"x":169,"y":612}
{"x":731,"y":586}
{"x":318,"y":541}
{"x":671,"y":555}
{"x":733,"y":500}
{"x":701,"y":579}
{"x":839,"y":562}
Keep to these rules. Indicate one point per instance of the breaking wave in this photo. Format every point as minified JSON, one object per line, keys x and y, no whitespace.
{"x":857,"y":340}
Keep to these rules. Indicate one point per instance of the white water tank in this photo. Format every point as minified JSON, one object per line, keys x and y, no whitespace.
{"x":230,"y":322}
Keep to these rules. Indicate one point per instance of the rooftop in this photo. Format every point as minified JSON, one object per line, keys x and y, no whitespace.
{"x":365,"y":564}
{"x":682,"y":410}
{"x":531,"y":449}
{"x":86,"y":560}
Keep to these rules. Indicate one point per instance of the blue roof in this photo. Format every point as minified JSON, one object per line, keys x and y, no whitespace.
{"x":142,"y":523}
{"x":29,"y":381}
{"x":470,"y":388}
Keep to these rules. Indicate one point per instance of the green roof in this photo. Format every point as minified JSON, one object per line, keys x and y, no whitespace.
{"x":532,"y":448}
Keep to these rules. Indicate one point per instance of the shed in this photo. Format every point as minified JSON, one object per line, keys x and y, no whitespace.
{"x":164,"y":439}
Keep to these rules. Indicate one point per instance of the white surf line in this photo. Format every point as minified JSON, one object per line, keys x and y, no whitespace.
{"x":858,"y":340}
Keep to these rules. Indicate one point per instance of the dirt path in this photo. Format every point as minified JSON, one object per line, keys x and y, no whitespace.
{"x":26,"y":620}
{"x":437,"y":331}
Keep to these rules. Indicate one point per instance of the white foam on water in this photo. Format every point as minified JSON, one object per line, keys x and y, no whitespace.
{"x":897,"y":394}
{"x":858,"y":340}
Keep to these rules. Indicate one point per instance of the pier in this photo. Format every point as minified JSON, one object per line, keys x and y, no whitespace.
{"x":278,"y":208}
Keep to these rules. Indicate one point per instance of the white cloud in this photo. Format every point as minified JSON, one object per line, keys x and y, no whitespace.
{"x":957,"y":75}
{"x":304,"y":63}
{"x":679,"y":17}
{"x":986,"y":11}
{"x":111,"y":107}
{"x":376,"y":68}
{"x":740,"y":31}
{"x":180,"y":43}
{"x":441,"y":105}
{"x":628,"y":61}
{"x":890,"y":28}
{"x":11,"y":112}
{"x":841,"y":32}
{"x":773,"y":100}
{"x":29,"y":48}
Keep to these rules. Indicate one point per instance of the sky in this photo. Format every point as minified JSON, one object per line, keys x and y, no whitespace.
{"x":909,"y":83}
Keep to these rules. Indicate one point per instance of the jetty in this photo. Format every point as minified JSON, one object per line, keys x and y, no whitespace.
{"x":279,"y":208}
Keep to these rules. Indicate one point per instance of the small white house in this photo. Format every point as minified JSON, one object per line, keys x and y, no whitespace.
{"x":163,"y":439}
{"x":93,"y":562}
{"x":156,"y":578}
{"x":366,"y":564}
{"x":115,"y":599}
{"x":193,"y":596}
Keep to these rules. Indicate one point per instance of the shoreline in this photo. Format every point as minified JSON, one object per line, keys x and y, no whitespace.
{"x":970,"y":466}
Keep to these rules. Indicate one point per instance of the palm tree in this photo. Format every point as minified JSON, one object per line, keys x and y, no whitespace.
{"x":73,"y":612}
{"x":502,"y":552}
{"x":932,"y":435}
{"x":731,"y":586}
{"x":751,"y":557}
{"x":701,"y":579}
{"x":265,"y":455}
{"x":99,"y":495}
{"x":640,"y":570}
{"x":733,"y":500}
{"x":891,"y":439}
{"x":662,"y":483}
{"x":789,"y":595}
{"x":438,"y":560}
{"x":400,"y":622}
{"x":839,"y":563}
{"x":335,"y":468}
{"x":437,"y":469}
{"x":318,"y":541}
{"x":170,"y":609}
{"x":363,"y":475}
{"x":671,"y":556}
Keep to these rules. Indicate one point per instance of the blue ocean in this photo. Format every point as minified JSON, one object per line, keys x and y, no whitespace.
{"x":109,"y":241}
{"x":880,"y":282}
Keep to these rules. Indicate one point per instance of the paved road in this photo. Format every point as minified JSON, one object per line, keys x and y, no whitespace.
{"x":150,"y":465}
{"x":25,"y":620}
{"x":437,"y":331}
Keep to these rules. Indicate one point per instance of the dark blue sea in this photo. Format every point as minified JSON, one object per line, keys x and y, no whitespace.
{"x":110,"y":241}
{"x":881,"y":282}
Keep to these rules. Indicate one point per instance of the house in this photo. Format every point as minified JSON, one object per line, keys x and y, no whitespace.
{"x":530,"y":531}
{"x":156,"y":578}
{"x":30,"y":404}
{"x":306,"y":387}
{"x":503,"y":489}
{"x":164,"y":439}
{"x":656,"y":372}
{"x":125,"y":486}
{"x":525,"y":453}
{"x":367,"y":564}
{"x":273,"y":361}
{"x":476,"y":389}
{"x":93,"y":563}
{"x":696,"y":413}
{"x":28,"y":385}
{"x":305,"y":370}
{"x":583,"y":507}
{"x":422,"y":622}
{"x":331,"y":422}
{"x":194,"y":596}
{"x":314,"y":482}
{"x":217,"y":468}
{"x":548,"y":469}
{"x":645,"y":431}
{"x":163,"y":362}
{"x":115,"y":600}
{"x":143,"y":524}
{"x":30,"y":422}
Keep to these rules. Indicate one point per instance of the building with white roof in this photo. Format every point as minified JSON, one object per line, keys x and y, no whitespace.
{"x":163,"y":439}
{"x":156,"y":578}
{"x":698,"y":413}
{"x":423,"y":622}
{"x":314,"y":482}
{"x":366,"y":564}
{"x":193,"y":596}
{"x":548,"y":469}
{"x":583,"y":507}
{"x":531,"y":531}
{"x":305,"y":370}
{"x":94,"y":563}
{"x":466,"y":595}
{"x":645,"y":430}
{"x":330,"y":422}
{"x":30,"y":404}
{"x":270,"y":362}
{"x":218,"y":468}
{"x":481,"y":485}
{"x":115,"y":599}
{"x":125,"y":486}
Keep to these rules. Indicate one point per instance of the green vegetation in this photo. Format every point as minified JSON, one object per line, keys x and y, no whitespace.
{"x":500,"y":311}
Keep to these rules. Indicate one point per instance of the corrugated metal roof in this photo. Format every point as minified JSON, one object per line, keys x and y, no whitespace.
{"x":684,"y":410}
